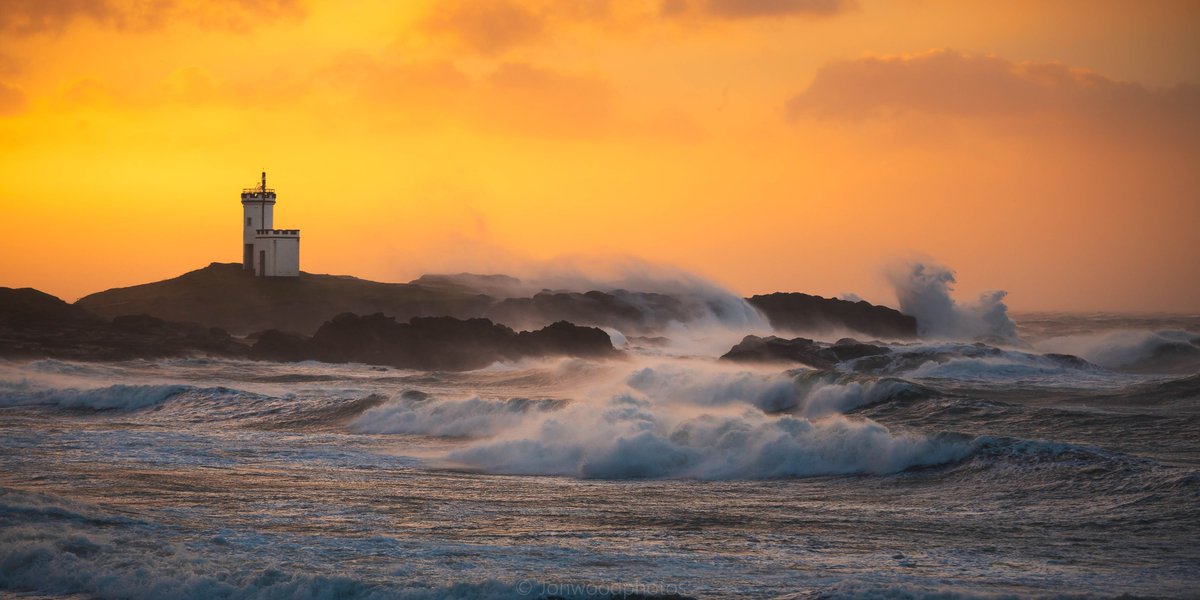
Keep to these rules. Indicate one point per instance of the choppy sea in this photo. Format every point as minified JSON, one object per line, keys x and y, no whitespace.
{"x":950,"y":470}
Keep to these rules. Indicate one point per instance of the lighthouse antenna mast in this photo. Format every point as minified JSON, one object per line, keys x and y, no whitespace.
{"x":262,"y":207}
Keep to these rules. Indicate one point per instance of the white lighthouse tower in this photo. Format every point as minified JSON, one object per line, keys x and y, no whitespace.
{"x":267,"y":251}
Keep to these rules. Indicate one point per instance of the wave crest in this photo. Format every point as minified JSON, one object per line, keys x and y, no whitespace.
{"x":678,"y":422}
{"x":113,"y":397}
{"x":474,"y":417}
{"x":1166,"y":350}
{"x":634,"y":443}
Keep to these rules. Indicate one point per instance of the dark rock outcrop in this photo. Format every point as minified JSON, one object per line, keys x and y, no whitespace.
{"x":849,"y":356}
{"x":774,"y":349}
{"x":495,"y":285}
{"x":632,"y":312}
{"x":564,"y":339}
{"x":803,"y":313}
{"x":801,"y":350}
{"x":273,"y":344}
{"x":430,"y":343}
{"x":852,"y":349}
{"x":27,"y":306}
{"x":34,"y":324}
{"x":223,"y":295}
{"x":37,"y":325}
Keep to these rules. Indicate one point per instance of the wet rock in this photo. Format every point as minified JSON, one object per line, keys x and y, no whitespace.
{"x":431,"y":343}
{"x":34,"y":324}
{"x":849,"y":349}
{"x":753,"y":348}
{"x":803,"y":313}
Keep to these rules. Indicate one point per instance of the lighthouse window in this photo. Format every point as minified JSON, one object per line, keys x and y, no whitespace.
{"x":247,"y":220}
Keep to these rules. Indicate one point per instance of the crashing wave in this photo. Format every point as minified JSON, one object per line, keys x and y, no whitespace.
{"x":1153,"y":351}
{"x":673,"y":422}
{"x":923,"y":290}
{"x":631,"y":442}
{"x":975,"y":363}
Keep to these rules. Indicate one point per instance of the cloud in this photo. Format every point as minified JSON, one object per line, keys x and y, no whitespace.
{"x":527,"y":78}
{"x":494,"y":27}
{"x":90,"y":92}
{"x":12,"y":100}
{"x":9,"y":66}
{"x":28,"y":17}
{"x":402,"y":94}
{"x":528,"y":98}
{"x":36,"y":16}
{"x":434,"y":82}
{"x":514,"y":97}
{"x":486,"y":27}
{"x":746,"y":9}
{"x":947,"y":83}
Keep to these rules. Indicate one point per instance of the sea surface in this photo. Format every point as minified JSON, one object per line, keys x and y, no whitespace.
{"x":951,"y":470}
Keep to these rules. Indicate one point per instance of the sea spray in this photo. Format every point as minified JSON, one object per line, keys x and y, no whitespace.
{"x":629,"y":440}
{"x":1132,"y":348}
{"x":670,"y":421}
{"x":469,"y":418}
{"x":923,"y":290}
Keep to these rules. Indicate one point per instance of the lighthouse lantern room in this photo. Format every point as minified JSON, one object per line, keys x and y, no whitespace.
{"x":267,"y":251}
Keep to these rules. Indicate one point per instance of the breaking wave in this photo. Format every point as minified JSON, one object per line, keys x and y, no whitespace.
{"x":990,"y":368}
{"x":1121,"y":349}
{"x":980,"y":363}
{"x":630,"y":441}
{"x":810,"y":393}
{"x":674,"y":422}
{"x":113,"y":397}
{"x":187,"y":403}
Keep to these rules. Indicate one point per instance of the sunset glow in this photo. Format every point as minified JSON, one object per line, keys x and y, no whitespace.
{"x":1048,"y":149}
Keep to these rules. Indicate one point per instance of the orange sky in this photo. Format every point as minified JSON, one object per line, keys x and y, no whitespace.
{"x":1051,"y":149}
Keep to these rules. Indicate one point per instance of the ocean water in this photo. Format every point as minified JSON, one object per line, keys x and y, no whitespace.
{"x":948,"y":470}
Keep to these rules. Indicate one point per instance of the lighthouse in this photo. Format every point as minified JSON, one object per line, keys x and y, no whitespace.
{"x":267,"y":251}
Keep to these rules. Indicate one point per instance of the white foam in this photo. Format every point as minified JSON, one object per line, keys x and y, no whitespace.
{"x":807,"y":393}
{"x":631,"y":442}
{"x":676,"y":422}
